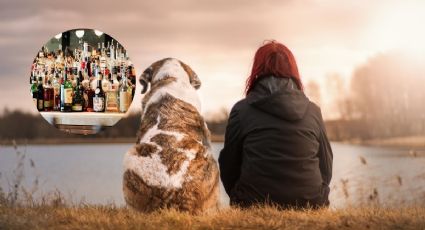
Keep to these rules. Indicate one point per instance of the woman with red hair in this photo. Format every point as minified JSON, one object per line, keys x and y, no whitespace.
{"x":276,"y":150}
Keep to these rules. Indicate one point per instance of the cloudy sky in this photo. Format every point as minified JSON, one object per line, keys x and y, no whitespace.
{"x":216,"y":38}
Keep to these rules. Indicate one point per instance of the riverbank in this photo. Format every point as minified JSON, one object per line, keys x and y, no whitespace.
{"x":110,"y":217}
{"x":414,"y":143}
{"x":83,"y":140}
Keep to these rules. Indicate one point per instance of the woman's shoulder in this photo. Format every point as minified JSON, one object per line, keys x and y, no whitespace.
{"x":315,"y":113}
{"x":239,"y":105}
{"x":314,"y":107}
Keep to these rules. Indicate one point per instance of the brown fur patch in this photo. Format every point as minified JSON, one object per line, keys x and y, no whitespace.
{"x":155,"y":87}
{"x":145,"y":149}
{"x":169,"y":155}
{"x":193,"y":78}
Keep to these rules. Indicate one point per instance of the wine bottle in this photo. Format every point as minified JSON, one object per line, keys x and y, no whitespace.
{"x":74,"y":76}
{"x":77,"y":99}
{"x":40,"y":95}
{"x":99,"y":97}
{"x":34,"y":89}
{"x":66,"y":94}
{"x":48,"y":96}
{"x":56,"y":93}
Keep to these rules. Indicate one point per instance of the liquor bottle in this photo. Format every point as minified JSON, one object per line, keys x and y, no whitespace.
{"x":80,"y":76}
{"x":88,"y":92}
{"x":132,"y":76}
{"x":124,"y":95}
{"x":98,"y":51}
{"x":77,"y":58}
{"x":85,"y":79}
{"x":43,"y":77}
{"x":112,"y":50}
{"x":85,"y":50}
{"x":88,"y":66}
{"x":114,"y":77}
{"x":40,"y":95}
{"x":105,"y":82}
{"x":119,"y":74}
{"x":48,"y":96}
{"x":66,"y":94}
{"x":88,"y":99}
{"x":93,"y":80}
{"x":103,"y":50}
{"x":56,"y":93}
{"x":74,"y":76}
{"x":99,"y":98}
{"x":108,"y":51}
{"x":93,"y":67}
{"x":41,"y":54}
{"x":77,"y":99}
{"x":94,"y":51}
{"x":102,"y":59}
{"x":34,"y":89}
{"x":112,"y":97}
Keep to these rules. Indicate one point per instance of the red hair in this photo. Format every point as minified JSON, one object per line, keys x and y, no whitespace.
{"x":273,"y":58}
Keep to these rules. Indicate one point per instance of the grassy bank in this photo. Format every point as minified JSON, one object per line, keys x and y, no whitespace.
{"x":110,"y":217}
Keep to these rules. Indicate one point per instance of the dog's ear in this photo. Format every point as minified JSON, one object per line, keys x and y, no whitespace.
{"x":193,"y":77}
{"x":146,"y":78}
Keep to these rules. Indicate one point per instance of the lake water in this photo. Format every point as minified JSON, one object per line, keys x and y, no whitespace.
{"x":93,"y":173}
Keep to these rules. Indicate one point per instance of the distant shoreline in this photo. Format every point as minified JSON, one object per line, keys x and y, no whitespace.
{"x":407,"y":143}
{"x":65,"y":141}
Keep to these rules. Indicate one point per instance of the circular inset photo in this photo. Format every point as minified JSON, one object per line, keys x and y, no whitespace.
{"x":82,"y":81}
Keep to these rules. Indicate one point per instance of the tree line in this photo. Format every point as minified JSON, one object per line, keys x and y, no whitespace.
{"x":18,"y":125}
{"x":385,"y":98}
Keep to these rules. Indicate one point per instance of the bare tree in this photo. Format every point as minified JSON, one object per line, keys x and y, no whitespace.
{"x":312,"y":90}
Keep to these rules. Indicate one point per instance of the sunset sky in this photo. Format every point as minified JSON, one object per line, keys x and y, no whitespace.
{"x":217,"y":39}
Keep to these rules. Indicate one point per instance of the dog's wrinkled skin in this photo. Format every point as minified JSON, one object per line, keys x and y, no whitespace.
{"x":171,"y":165}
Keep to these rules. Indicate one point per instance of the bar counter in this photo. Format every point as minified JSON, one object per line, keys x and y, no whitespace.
{"x":82,"y":122}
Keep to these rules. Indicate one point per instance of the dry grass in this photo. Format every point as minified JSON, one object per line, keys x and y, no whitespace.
{"x":110,"y":217}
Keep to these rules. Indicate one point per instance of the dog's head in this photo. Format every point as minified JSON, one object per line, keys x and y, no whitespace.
{"x":168,"y":67}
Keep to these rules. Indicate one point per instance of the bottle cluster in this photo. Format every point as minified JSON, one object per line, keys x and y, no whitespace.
{"x":96,"y":80}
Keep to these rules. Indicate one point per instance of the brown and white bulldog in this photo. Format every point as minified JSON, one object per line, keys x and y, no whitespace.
{"x":171,"y":165}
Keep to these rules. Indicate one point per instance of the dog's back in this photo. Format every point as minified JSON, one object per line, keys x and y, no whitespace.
{"x":171,"y":165}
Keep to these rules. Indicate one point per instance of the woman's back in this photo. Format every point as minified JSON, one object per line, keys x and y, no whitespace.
{"x":276,"y":140}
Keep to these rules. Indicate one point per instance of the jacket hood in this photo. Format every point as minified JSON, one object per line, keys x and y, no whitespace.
{"x":279,"y":96}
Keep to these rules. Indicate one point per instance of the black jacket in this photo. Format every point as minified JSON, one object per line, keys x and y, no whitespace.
{"x":276,"y":149}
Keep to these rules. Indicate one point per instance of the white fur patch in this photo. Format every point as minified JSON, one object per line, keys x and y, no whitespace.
{"x":151,"y":169}
{"x":180,"y":89}
{"x":153,"y":172}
